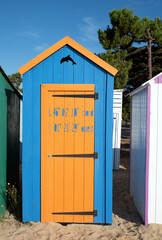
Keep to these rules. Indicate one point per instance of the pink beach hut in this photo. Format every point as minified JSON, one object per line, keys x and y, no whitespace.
{"x":146,"y":150}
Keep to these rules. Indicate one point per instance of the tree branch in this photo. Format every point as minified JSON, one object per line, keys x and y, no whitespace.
{"x":136,"y":51}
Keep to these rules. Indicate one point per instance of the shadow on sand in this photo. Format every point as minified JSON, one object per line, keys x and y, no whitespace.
{"x":123,"y":205}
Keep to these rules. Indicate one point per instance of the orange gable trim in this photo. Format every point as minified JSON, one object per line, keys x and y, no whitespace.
{"x":68,"y":41}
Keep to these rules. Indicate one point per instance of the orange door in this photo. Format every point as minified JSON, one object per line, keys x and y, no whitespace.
{"x":67,"y":152}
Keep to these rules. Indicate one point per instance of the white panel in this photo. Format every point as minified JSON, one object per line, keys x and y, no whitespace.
{"x":116,"y":140}
{"x":159,"y":158}
{"x":117,"y":118}
{"x":152,"y":155}
{"x":138,"y":149}
{"x":117,"y":101}
{"x":20,"y":132}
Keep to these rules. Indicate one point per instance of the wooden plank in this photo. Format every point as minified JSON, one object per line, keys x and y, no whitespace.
{"x":71,"y":87}
{"x":13,"y":124}
{"x":89,"y":142}
{"x":80,"y":162}
{"x":79,"y":137}
{"x":88,"y":72}
{"x":44,"y":159}
{"x":89,"y":162}
{"x":59,"y":148}
{"x":100,"y":168}
{"x":68,"y":120}
{"x":48,"y":71}
{"x":46,"y":152}
{"x":3,"y":141}
{"x":68,"y":66}
{"x":35,"y":171}
{"x":78,"y":69}
{"x":109,"y":131}
{"x":58,"y":68}
{"x":69,"y":163}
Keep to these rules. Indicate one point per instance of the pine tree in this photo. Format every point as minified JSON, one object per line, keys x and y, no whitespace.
{"x":128,"y":30}
{"x":133,"y":46}
{"x":16,"y":79}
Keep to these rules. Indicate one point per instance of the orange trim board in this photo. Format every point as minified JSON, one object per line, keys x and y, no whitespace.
{"x":67,"y":41}
{"x":69,"y":87}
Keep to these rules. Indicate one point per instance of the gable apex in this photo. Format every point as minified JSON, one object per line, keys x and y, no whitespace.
{"x":18,"y":93}
{"x":68,"y":41}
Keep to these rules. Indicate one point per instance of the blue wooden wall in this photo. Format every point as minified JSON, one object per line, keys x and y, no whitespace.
{"x":51,"y":71}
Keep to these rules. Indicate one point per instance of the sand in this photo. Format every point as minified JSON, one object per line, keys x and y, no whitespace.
{"x":127,"y":223}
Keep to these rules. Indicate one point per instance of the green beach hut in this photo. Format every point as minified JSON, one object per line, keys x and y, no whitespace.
{"x":9,"y":136}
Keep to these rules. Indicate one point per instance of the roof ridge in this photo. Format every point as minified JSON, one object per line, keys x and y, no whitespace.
{"x":10,"y":83}
{"x":67,"y":41}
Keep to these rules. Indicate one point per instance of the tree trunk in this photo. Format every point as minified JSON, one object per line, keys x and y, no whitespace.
{"x":149,"y":54}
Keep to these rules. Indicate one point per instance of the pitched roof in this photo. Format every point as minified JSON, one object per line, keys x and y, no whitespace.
{"x":68,"y":41}
{"x":144,"y":85}
{"x":19,"y":94}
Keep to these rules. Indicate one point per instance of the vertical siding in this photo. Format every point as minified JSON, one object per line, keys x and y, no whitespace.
{"x":13,"y":123}
{"x":58,"y":74}
{"x":37,"y":80}
{"x":47,"y":73}
{"x":27,"y":184}
{"x":109,"y":152}
{"x":51,"y":71}
{"x":3,"y":141}
{"x":99,"y":180}
{"x":138,"y":150}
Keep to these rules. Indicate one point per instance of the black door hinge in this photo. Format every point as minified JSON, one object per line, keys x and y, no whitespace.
{"x":95,"y":96}
{"x":93,"y":155}
{"x":93,"y":213}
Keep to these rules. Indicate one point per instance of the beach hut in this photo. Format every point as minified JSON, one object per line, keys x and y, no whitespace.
{"x":146,"y":150}
{"x":117,"y":121}
{"x":67,"y":136}
{"x":9,"y":136}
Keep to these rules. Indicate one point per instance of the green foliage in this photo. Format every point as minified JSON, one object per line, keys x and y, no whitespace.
{"x":11,"y":192}
{"x":16,"y":79}
{"x":125,"y":42}
{"x":128,"y":29}
{"x":123,"y":66}
{"x":155,"y":27}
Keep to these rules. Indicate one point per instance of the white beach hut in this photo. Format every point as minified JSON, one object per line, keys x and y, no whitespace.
{"x":146,"y":150}
{"x":117,"y":118}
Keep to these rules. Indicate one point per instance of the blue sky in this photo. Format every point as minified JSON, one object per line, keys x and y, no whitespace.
{"x":29,"y":27}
